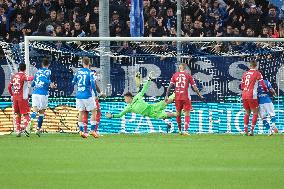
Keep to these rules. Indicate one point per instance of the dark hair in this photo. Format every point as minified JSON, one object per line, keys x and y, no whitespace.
{"x":45,"y":62}
{"x":22,"y":67}
{"x":128,"y":94}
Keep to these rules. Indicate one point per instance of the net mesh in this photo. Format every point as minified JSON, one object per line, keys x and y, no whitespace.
{"x":217,"y":68}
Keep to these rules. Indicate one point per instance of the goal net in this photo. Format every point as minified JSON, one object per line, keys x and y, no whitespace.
{"x":217,"y":65}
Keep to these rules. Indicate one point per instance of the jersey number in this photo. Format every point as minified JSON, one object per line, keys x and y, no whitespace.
{"x":181,"y":81}
{"x":82,"y":80}
{"x":247,"y":81}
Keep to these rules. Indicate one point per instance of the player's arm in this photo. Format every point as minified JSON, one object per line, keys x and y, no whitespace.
{"x":243,"y":83}
{"x":99,"y":90}
{"x":28,"y":78}
{"x":271,"y":90}
{"x":75,"y":79}
{"x":172,"y":84}
{"x":145,"y":88}
{"x":93,"y":83}
{"x":261,"y":81}
{"x":124,"y":111}
{"x":10,"y":88}
{"x":194,"y":87}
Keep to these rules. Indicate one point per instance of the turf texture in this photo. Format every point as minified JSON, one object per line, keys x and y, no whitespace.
{"x":142,"y":161}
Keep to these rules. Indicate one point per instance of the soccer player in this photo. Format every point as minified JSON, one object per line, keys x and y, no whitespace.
{"x":18,"y":88}
{"x":249,"y":86}
{"x":41,"y":84}
{"x":266,"y":107}
{"x":182,"y":80}
{"x":98,"y":116}
{"x":85,"y":80}
{"x":136,"y":104}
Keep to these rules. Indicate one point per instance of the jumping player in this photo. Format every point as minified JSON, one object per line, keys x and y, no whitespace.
{"x":136,"y":104}
{"x":41,"y":84}
{"x":18,"y":88}
{"x":266,"y":107}
{"x":249,"y":86}
{"x":182,"y":80}
{"x":85,"y":80}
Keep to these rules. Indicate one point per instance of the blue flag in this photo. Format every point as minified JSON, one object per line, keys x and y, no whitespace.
{"x":136,"y":18}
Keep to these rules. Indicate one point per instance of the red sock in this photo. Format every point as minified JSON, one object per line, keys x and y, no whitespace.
{"x":98,"y":119}
{"x":186,"y":122}
{"x":246,"y":122}
{"x":18,"y":122}
{"x":253,"y":122}
{"x":178,"y":122}
{"x":26,"y":120}
{"x":85,"y":121}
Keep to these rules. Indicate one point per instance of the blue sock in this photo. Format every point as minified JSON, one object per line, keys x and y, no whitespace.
{"x":93,"y":125}
{"x":266,"y":124}
{"x":40,"y":120}
{"x":33,"y":115}
{"x":81,"y":126}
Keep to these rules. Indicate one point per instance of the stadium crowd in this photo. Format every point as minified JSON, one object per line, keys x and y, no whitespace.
{"x":247,"y":18}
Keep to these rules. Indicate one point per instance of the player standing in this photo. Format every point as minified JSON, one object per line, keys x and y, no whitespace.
{"x":182,"y":80}
{"x":41,"y":85}
{"x":18,"y":88}
{"x":85,"y":80}
{"x":266,"y":107}
{"x":98,"y":107}
{"x":249,"y":86}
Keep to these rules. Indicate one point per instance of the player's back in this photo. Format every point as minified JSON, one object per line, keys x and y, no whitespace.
{"x":83,"y":79}
{"x":249,"y":84}
{"x":20,"y":86}
{"x":41,"y":81}
{"x":182,"y":81}
{"x":263,"y":97}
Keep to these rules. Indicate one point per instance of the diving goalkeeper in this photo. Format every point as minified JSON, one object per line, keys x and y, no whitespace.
{"x":136,"y":104}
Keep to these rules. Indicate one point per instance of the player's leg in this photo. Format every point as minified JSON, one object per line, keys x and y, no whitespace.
{"x":39,"y":122}
{"x":179,"y":106}
{"x":80,"y":106}
{"x":271,"y":112}
{"x":25,"y":110}
{"x":35,"y":104}
{"x":263,"y":116}
{"x":17,"y":117}
{"x":186,"y":107}
{"x":92,"y":108}
{"x":85,"y":120}
{"x":99,"y":114}
{"x":254,"y":106}
{"x":247,"y":114}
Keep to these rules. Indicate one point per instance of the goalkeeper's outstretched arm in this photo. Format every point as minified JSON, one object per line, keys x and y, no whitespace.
{"x":125,"y":111}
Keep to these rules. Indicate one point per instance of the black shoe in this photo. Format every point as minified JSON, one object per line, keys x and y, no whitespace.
{"x":27,"y":133}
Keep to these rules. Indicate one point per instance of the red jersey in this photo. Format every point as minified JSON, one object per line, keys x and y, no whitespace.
{"x":182,"y":81}
{"x":18,"y":86}
{"x":249,"y":84}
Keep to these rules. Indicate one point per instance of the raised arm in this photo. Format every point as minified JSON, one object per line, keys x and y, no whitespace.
{"x":126,"y":110}
{"x":145,"y":87}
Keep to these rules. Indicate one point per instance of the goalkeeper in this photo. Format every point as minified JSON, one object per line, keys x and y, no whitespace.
{"x":136,"y":104}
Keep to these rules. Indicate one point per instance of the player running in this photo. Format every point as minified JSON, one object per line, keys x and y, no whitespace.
{"x":18,"y":88}
{"x":41,"y":84}
{"x":136,"y":104}
{"x":266,"y":107}
{"x":249,"y":86}
{"x":98,"y":107}
{"x":182,"y":80}
{"x":85,"y":80}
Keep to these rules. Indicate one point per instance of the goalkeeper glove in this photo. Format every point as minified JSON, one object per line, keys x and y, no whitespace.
{"x":109,"y":115}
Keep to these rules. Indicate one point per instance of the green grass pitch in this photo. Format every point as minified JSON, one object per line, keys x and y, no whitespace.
{"x":142,"y":161}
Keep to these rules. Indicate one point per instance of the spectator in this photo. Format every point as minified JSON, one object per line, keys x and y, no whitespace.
{"x":58,"y":31}
{"x":51,"y":20}
{"x":93,"y":31}
{"x":264,"y":32}
{"x":272,"y":19}
{"x":229,"y":31}
{"x":13,"y":36}
{"x":250,"y":32}
{"x":77,"y":31}
{"x":252,"y":19}
{"x":18,"y":23}
{"x":67,"y":29}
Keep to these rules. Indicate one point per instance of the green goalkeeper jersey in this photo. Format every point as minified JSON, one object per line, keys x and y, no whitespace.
{"x":139,"y":106}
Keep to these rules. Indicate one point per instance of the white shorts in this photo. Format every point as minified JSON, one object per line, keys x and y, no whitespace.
{"x":40,"y":101}
{"x":85,"y":104}
{"x":266,"y":109}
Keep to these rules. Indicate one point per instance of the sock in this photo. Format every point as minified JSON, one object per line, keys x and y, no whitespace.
{"x":93,"y":125}
{"x":178,"y":119}
{"x":265,"y":123}
{"x":273,"y":120}
{"x":18,"y":123}
{"x":85,"y":120}
{"x":186,"y":123}
{"x":253,"y":122}
{"x":98,"y":119}
{"x":40,"y":120}
{"x":81,"y":126}
{"x":246,"y":121}
{"x":26,"y":121}
{"x":33,"y":115}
